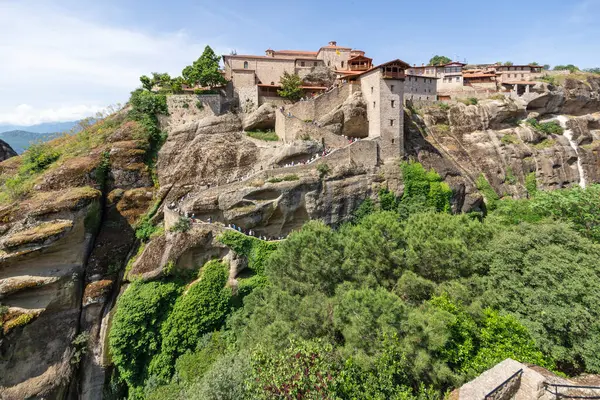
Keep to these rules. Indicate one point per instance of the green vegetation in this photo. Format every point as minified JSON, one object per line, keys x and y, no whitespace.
{"x":199,"y":105}
{"x":510,"y":176}
{"x":471,"y":101}
{"x":406,"y":301}
{"x":286,"y":178}
{"x":204,"y":71}
{"x":80,"y":347}
{"x":510,"y":139}
{"x":268,"y":135}
{"x":443,"y":127}
{"x":490,"y":195}
{"x":544,"y":144}
{"x":291,"y":86}
{"x":145,"y":227}
{"x":508,"y":63}
{"x":323,"y":170}
{"x":569,"y":67}
{"x":444,"y":106}
{"x":183,"y":224}
{"x":531,"y":184}
{"x":439,"y":60}
{"x":547,"y":128}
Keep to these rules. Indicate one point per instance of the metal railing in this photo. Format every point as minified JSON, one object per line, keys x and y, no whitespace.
{"x":578,"y":389}
{"x":507,"y":388}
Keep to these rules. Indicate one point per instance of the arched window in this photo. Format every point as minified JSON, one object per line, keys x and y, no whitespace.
{"x":245,"y":64}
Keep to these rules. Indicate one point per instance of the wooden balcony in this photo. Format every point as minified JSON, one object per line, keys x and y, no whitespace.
{"x":394,"y":75}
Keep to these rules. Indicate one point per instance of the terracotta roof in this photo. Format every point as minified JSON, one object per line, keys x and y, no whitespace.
{"x":360,"y":56}
{"x":336,"y":47}
{"x":314,"y":53}
{"x":404,"y":65}
{"x":348,"y":72}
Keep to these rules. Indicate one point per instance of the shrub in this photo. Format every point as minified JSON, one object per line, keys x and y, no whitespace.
{"x":292,"y":177}
{"x":135,"y":335}
{"x":202,"y":309}
{"x":510,"y":176}
{"x":38,"y":157}
{"x":199,"y":105}
{"x":268,"y":136}
{"x":443,"y":127}
{"x":427,"y":185}
{"x":444,"y":106}
{"x":544,"y":144}
{"x":226,"y":379}
{"x":80,"y":347}
{"x":490,"y":195}
{"x":471,"y":101}
{"x":551,"y":127}
{"x":183,"y":224}
{"x":531,"y":183}
{"x":186,"y":105}
{"x":323,"y":170}
{"x":510,"y":139}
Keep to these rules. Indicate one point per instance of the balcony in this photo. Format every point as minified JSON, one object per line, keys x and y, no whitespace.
{"x":394,"y":75}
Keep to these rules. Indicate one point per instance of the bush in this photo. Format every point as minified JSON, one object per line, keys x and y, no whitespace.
{"x":38,"y":157}
{"x":80,"y":347}
{"x":323,"y":170}
{"x":531,"y":183}
{"x":490,"y":195}
{"x":202,"y":309}
{"x":428,"y":185}
{"x":199,"y":105}
{"x":268,"y":136}
{"x":225,"y":380}
{"x":183,"y":224}
{"x":135,"y":334}
{"x":551,"y":127}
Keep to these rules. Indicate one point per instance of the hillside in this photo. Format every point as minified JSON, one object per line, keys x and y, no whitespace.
{"x":41,"y":128}
{"x":168,"y":252}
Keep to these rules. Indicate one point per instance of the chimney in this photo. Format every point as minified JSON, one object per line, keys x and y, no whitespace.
{"x":333,"y":43}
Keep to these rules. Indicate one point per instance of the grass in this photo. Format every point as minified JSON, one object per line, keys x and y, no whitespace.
{"x":510,"y":139}
{"x":557,"y":80}
{"x":443,"y":127}
{"x":268,"y":136}
{"x":544,"y":144}
{"x":38,"y":233}
{"x":497,"y":96}
{"x":471,"y":101}
{"x":286,"y":178}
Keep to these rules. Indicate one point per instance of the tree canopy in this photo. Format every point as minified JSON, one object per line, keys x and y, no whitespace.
{"x":204,"y":71}
{"x":291,"y":86}
{"x":439,"y":60}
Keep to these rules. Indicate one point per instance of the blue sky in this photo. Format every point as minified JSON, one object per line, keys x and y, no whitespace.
{"x":65,"y":59}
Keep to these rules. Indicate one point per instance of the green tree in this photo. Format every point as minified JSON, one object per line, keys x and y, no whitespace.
{"x":439,"y":60}
{"x":533,"y":63}
{"x":204,"y":71}
{"x":569,"y":67}
{"x":508,"y":63}
{"x":291,"y":86}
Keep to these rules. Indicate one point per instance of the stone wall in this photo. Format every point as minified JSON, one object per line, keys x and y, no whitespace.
{"x":371,"y":92}
{"x":392,"y":117}
{"x":266,"y":69}
{"x":183,"y":108}
{"x":420,"y":88}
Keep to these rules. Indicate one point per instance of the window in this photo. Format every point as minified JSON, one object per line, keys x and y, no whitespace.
{"x":371,"y":89}
{"x":342,"y":64}
{"x":393,"y":103}
{"x":392,"y":88}
{"x":302,"y":63}
{"x":522,"y":75}
{"x":373,"y":104}
{"x":458,"y":79}
{"x":329,"y":63}
{"x":391,"y":122}
{"x":315,"y":63}
{"x":245,"y":64}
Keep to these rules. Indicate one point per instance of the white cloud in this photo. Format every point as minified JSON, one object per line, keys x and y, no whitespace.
{"x":25,"y":114}
{"x":57,"y":66}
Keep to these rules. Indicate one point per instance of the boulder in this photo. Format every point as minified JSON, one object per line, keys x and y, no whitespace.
{"x":349,"y":119}
{"x":263,"y":118}
{"x":6,"y":151}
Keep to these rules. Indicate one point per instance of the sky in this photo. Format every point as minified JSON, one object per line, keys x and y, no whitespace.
{"x":63,"y":60}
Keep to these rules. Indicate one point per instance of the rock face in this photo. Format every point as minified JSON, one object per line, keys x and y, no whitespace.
{"x":263,"y":118}
{"x":61,"y":250}
{"x":349,"y":119}
{"x":6,"y":151}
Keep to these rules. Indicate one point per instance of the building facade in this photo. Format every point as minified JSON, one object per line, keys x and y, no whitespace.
{"x":420,"y":87}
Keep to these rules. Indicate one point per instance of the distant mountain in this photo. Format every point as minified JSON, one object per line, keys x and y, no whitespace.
{"x":41,"y":128}
{"x":20,"y":140}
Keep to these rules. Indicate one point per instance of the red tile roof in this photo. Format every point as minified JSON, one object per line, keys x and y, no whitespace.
{"x":314,"y":53}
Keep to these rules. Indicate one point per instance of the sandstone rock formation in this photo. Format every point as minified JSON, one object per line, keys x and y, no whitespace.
{"x":263,"y":118}
{"x":349,"y":119}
